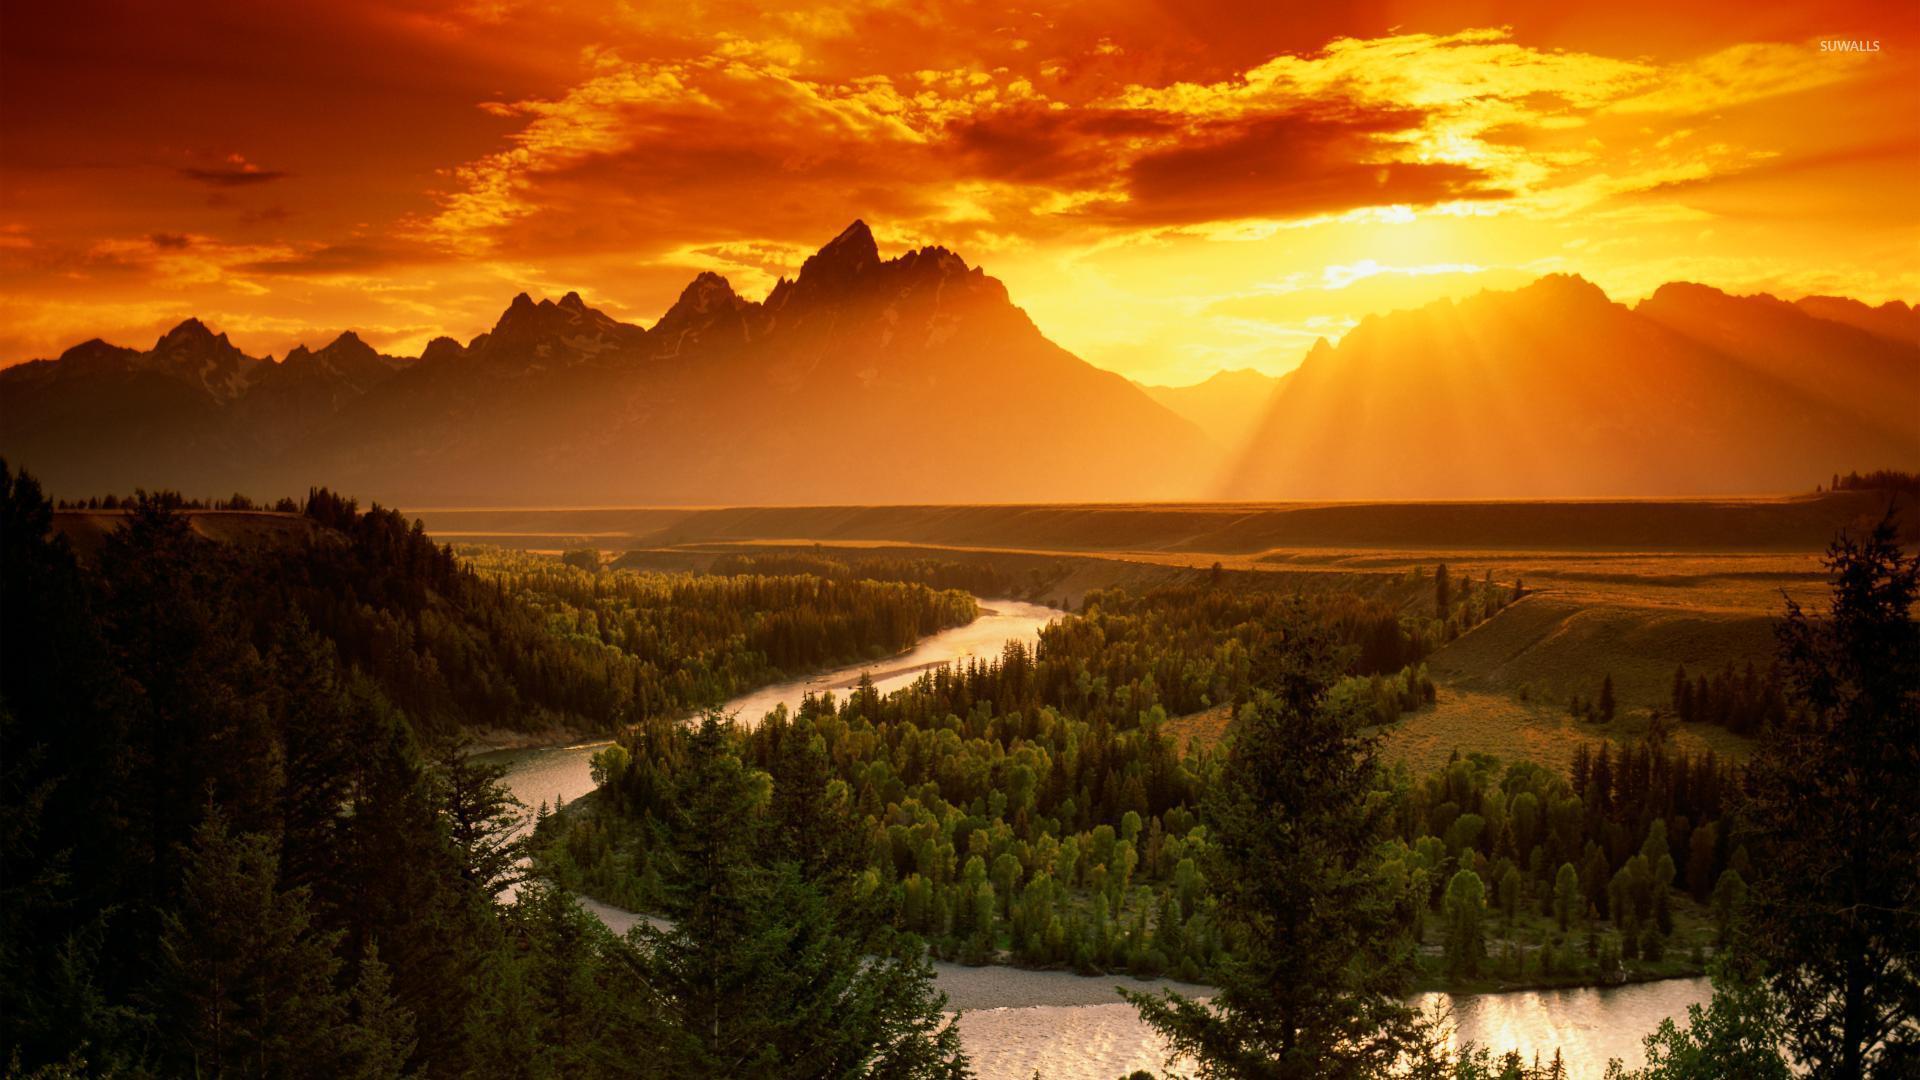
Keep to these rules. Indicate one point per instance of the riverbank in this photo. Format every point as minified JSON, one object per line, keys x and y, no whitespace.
{"x":1015,"y":1022}
{"x":494,"y":740}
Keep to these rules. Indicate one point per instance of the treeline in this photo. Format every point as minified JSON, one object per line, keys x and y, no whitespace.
{"x":227,"y":851}
{"x":1182,"y":649}
{"x":1035,"y":833}
{"x":1746,"y":702}
{"x":1878,"y":480}
{"x":1460,"y":603}
{"x":517,"y":641}
{"x":669,"y":643}
{"x":980,"y":579}
{"x":1615,"y":840}
{"x":173,"y":500}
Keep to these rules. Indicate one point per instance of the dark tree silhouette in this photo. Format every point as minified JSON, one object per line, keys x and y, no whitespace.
{"x":1834,"y":812}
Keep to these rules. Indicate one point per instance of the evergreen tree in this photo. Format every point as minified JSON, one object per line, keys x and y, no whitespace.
{"x":1466,"y":905}
{"x":247,"y":984}
{"x":1568,"y":901}
{"x":763,"y":973}
{"x":1313,"y":982}
{"x":483,"y":818}
{"x":379,"y":1039}
{"x":1833,"y":812}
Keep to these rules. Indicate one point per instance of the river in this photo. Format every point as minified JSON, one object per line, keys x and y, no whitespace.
{"x":1066,"y":1027}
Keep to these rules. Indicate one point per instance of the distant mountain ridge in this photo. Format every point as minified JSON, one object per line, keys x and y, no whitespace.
{"x":916,"y":379}
{"x":1553,"y":391}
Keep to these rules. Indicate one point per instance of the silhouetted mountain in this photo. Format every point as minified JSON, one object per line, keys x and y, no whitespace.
{"x":1844,"y":366}
{"x":197,"y":355}
{"x":915,"y":379}
{"x":1553,"y":390}
{"x":1894,"y":320}
{"x":862,"y":379}
{"x":1228,"y":406}
{"x":288,"y":398}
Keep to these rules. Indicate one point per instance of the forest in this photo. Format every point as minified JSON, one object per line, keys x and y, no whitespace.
{"x":1063,"y":827}
{"x":244,"y":839}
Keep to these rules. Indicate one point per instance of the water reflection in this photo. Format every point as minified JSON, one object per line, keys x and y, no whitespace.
{"x":1587,"y":1025}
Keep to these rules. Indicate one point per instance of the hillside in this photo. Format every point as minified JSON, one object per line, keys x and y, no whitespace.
{"x":1554,"y":391}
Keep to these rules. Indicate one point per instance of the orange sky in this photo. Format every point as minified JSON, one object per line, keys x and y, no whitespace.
{"x":1168,"y":188}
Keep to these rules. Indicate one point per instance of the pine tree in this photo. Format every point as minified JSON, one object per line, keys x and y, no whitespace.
{"x":1314,"y":982}
{"x":1466,"y":904}
{"x":1567,"y":898}
{"x":246,"y":984}
{"x":483,"y":819}
{"x":379,"y":1038}
{"x":762,"y":972}
{"x":1833,"y":811}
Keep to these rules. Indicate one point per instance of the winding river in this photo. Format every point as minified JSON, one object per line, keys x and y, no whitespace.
{"x":1067,"y":1027}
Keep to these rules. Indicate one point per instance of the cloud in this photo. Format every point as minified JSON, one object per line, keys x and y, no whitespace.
{"x":229,"y":177}
{"x":753,"y":140}
{"x":1122,"y":165}
{"x":1289,"y":166}
{"x":329,"y":259}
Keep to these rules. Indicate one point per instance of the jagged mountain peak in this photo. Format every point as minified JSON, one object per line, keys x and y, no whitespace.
{"x":195,"y":353}
{"x":856,"y":239}
{"x":529,"y":336}
{"x":189,"y":331}
{"x":93,"y":350}
{"x":442,"y":348}
{"x":1895,"y":320}
{"x":844,"y":258}
{"x":706,"y":291}
{"x":708,"y":304}
{"x":1561,"y":288}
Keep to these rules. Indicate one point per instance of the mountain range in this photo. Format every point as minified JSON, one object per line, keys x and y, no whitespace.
{"x":1553,"y":390}
{"x":917,"y":380}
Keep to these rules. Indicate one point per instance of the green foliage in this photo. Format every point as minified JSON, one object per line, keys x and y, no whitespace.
{"x":763,"y":971}
{"x":1833,"y":813}
{"x":226,"y":851}
{"x":1313,"y":983}
{"x":1465,"y":909}
{"x":246,"y":983}
{"x":625,"y":646}
{"x":980,"y":579}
